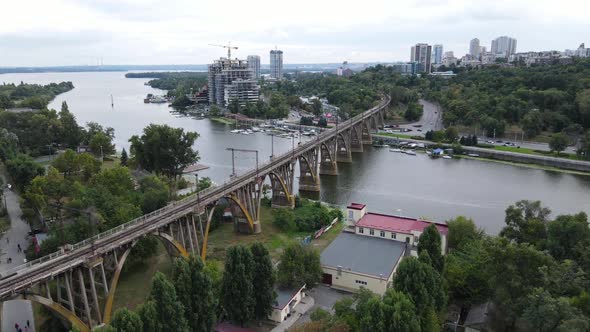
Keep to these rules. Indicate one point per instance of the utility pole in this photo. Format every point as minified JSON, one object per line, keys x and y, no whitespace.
{"x":272,"y":145}
{"x":241,"y":150}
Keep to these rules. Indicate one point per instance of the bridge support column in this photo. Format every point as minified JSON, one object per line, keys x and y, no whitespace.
{"x":366,"y":136}
{"x":245,"y":206}
{"x":356,"y":138}
{"x":282,"y":186}
{"x":328,"y":165}
{"x":309,"y":179}
{"x":84,"y":298}
{"x":344,"y":155}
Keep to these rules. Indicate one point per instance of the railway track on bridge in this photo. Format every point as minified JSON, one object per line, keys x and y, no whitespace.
{"x":16,"y":280}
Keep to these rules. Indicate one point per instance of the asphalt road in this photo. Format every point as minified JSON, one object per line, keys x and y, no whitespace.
{"x":431,"y":119}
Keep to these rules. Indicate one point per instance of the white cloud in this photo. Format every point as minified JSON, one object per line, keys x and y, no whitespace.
{"x":65,"y":32}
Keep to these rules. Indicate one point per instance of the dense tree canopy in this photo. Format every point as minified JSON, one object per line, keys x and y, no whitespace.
{"x":164,"y":150}
{"x":299,"y":265}
{"x":537,"y":98}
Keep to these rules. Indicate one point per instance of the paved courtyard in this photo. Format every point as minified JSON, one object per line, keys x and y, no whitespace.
{"x":324,"y":297}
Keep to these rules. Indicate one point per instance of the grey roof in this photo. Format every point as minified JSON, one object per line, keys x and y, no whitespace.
{"x":364,"y":254}
{"x":284,"y":296}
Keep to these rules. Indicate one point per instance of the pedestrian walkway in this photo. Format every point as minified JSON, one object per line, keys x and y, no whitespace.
{"x":17,"y":234}
{"x":306,"y":303}
{"x":17,"y":312}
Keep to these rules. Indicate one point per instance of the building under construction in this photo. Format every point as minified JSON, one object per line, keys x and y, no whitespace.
{"x":232,"y":79}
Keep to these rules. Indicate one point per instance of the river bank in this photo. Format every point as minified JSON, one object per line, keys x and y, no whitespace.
{"x":548,"y":163}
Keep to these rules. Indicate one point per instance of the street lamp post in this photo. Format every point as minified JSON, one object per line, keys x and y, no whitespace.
{"x":272,"y":145}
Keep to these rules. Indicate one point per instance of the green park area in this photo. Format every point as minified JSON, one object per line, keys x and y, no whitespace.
{"x":134,"y":285}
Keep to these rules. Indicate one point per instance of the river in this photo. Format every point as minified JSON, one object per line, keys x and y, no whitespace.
{"x":387,"y":182}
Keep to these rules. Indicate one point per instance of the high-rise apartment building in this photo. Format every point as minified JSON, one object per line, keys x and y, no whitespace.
{"x":234,"y":76}
{"x":503,"y":46}
{"x":276,"y":64}
{"x":254,"y":65}
{"x":422,"y":53}
{"x":474,"y":48}
{"x":437,"y":54}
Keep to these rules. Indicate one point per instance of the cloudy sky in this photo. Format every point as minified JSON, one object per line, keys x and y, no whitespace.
{"x":78,"y":32}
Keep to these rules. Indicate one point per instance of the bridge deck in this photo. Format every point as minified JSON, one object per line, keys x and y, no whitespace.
{"x":21,"y":277}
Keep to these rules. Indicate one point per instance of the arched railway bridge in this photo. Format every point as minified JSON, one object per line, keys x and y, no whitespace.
{"x":79,"y":281}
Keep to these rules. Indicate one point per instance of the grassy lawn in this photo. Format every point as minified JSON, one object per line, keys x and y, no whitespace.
{"x":134,"y":285}
{"x":536,"y":152}
{"x":274,"y":239}
{"x":222,"y":120}
{"x":395,"y":135}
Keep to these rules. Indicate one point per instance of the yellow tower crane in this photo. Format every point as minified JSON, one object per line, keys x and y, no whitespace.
{"x":229,"y":48}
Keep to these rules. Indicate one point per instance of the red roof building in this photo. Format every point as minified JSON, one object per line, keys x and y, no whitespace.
{"x":397,"y":228}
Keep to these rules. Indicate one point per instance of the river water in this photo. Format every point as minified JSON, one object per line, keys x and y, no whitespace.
{"x":387,"y":182}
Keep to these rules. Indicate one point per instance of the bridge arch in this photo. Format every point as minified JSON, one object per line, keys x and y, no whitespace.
{"x":276,"y":177}
{"x":312,"y":168}
{"x":60,"y":311}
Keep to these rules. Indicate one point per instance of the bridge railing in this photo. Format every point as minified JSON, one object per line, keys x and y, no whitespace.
{"x":236,"y":181}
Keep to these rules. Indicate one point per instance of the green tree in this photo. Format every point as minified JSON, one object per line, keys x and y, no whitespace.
{"x":423,"y":284}
{"x":451,"y":134}
{"x":462,"y":230}
{"x":72,"y":134}
{"x":155,"y":193}
{"x":299,"y":266}
{"x":583,"y":102}
{"x":532,"y":123}
{"x":399,"y":312}
{"x":214,"y":111}
{"x":195,"y":290}
{"x":316,"y":106}
{"x":565,"y":232}
{"x":466,"y":273}
{"x":430,"y":241}
{"x":514,"y":271}
{"x":558,"y":142}
{"x":161,"y":313}
{"x":125,"y":320}
{"x":23,"y":169}
{"x":546,"y":313}
{"x":263,"y":282}
{"x":101,"y":145}
{"x":8,"y":144}
{"x":164,"y":150}
{"x":526,"y":222}
{"x":124,"y":157}
{"x":237,"y":291}
{"x":413,"y":111}
{"x":234,"y":106}
{"x":284,"y":219}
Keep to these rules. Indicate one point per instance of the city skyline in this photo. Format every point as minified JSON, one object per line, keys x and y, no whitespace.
{"x":67,"y":32}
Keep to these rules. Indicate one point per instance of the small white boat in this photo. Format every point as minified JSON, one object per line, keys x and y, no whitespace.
{"x":255,"y":129}
{"x":447,"y":157}
{"x":236,"y":131}
{"x":473,"y":155}
{"x":395,"y":150}
{"x":410,"y":152}
{"x":247,"y":132}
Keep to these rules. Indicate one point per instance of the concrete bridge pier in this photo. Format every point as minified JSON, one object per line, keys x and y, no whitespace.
{"x":328,"y":164}
{"x":366,"y":136}
{"x":282,"y":186}
{"x":356,"y":140}
{"x":343,"y":153}
{"x":309,"y":179}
